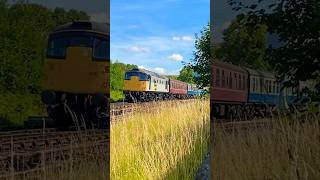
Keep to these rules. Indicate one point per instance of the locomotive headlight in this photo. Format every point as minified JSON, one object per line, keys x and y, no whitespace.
{"x":48,"y":97}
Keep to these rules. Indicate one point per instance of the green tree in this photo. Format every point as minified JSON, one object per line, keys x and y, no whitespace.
{"x":244,"y":44}
{"x":201,"y":63}
{"x":117,"y":73}
{"x":186,"y":75}
{"x":24,"y":29}
{"x":172,"y":77}
{"x":296,"y":22}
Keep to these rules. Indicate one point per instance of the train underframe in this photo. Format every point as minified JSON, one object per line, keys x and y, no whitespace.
{"x":146,"y":96}
{"x":81,"y":111}
{"x":241,"y":111}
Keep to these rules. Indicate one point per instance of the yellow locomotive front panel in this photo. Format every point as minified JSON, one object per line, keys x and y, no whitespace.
{"x":77,"y":63}
{"x":136,"y":81}
{"x":77,"y":73}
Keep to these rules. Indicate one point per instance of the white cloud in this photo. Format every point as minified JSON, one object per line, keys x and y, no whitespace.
{"x":138,"y":49}
{"x":160,"y":70}
{"x":182,"y":38}
{"x":176,"y":38}
{"x":187,"y":38}
{"x":175,"y":57}
{"x":141,"y":67}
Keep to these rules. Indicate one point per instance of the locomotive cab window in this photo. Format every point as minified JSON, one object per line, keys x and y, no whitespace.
{"x":59,"y":43}
{"x":101,"y":49}
{"x":57,"y":48}
{"x":141,"y":76}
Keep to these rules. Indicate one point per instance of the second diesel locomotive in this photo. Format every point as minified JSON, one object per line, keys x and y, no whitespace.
{"x":142,"y":85}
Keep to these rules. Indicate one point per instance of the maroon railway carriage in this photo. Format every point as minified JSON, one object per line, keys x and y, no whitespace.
{"x":178,"y":88}
{"x":229,"y":89}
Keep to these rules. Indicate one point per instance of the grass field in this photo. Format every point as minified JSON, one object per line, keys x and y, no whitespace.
{"x":289,"y":150}
{"x":169,"y":143}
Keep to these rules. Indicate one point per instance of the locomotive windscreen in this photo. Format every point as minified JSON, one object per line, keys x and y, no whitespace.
{"x":58,"y":43}
{"x":142,"y":76}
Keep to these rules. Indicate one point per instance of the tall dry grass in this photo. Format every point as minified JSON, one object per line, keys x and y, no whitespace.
{"x":289,"y":149}
{"x":167,"y":143}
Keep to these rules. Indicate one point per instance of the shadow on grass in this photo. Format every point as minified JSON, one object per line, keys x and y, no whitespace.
{"x":188,"y":166}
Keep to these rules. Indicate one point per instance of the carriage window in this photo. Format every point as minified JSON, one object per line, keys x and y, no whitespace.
{"x":240,"y":85}
{"x":218,"y":78}
{"x":266,"y":86}
{"x":253,"y":84}
{"x":223,"y":79}
{"x":269,"y":85}
{"x":230,"y":81}
{"x":274,"y":87}
{"x":101,"y":50}
{"x":236,"y":80}
{"x":227,"y":76}
{"x":243,"y":82}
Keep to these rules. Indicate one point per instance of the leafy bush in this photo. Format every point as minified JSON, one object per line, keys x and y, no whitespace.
{"x":117,"y":72}
{"x":15,"y":108}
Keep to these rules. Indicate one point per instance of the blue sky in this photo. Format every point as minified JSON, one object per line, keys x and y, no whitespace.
{"x":156,"y":35}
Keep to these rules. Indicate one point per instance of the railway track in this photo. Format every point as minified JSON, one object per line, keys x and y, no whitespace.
{"x":30,"y":150}
{"x":124,"y":109}
{"x":27,"y":151}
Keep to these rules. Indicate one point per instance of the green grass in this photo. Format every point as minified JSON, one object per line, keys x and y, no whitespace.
{"x":15,"y":108}
{"x":169,"y":143}
{"x":116,"y":95}
{"x":288,"y":150}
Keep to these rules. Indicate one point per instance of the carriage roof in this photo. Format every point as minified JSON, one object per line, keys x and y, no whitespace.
{"x":228,"y":66}
{"x":264,"y":74}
